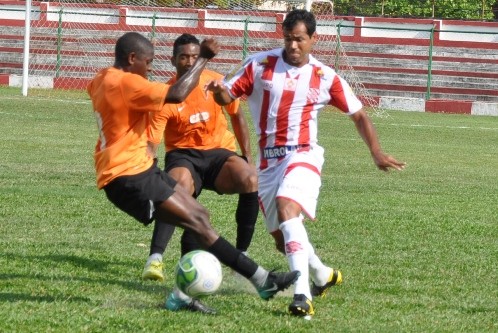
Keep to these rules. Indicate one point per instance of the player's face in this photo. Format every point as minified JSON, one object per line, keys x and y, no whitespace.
{"x":298,"y":45}
{"x":141,"y":63}
{"x":185,"y":58}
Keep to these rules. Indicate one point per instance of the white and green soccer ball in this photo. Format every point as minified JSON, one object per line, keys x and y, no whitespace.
{"x":198,"y":273}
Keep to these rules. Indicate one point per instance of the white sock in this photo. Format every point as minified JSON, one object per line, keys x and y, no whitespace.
{"x":178,"y":294}
{"x":296,"y":249}
{"x":259,"y":277}
{"x":155,"y":256}
{"x":318,"y":271}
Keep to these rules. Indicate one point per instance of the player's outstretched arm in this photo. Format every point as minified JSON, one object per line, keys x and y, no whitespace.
{"x":220,"y":92}
{"x":367,"y":131}
{"x":179,"y":91}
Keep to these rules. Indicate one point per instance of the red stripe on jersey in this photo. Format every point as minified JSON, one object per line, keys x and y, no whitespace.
{"x":302,"y":165}
{"x":263,"y":124}
{"x":261,"y":206}
{"x":283,"y":111}
{"x":339,"y":99}
{"x":269,"y":63}
{"x":244,"y":84}
{"x":267,"y":74}
{"x":313,"y":92}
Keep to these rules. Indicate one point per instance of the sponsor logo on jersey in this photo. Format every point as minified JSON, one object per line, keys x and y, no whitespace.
{"x":274,"y":152}
{"x":267,"y":85}
{"x":313,"y":94}
{"x":290,"y":84}
{"x":199,"y":117}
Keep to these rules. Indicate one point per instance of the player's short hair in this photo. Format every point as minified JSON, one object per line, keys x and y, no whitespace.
{"x":128,"y":43}
{"x":300,"y":15}
{"x":184,"y":39}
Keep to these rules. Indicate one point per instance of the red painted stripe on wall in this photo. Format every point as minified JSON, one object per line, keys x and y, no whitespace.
{"x":4,"y":79}
{"x":70,"y":83}
{"x":448,"y":106}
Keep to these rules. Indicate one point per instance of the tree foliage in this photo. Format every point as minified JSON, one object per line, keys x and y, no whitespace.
{"x":447,"y":9}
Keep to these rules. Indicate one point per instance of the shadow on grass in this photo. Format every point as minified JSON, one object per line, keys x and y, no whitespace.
{"x":109,"y":275}
{"x":91,"y":264}
{"x":17,"y":297}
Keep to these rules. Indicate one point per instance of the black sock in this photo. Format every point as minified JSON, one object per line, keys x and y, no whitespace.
{"x":189,"y":242}
{"x":231,"y":257}
{"x":246,"y":216}
{"x":160,"y":237}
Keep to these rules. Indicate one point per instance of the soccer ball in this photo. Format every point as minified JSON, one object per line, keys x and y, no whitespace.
{"x":198,"y":273}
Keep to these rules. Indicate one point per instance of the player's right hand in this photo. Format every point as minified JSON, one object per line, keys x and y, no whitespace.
{"x":214,"y":86}
{"x":209,"y":48}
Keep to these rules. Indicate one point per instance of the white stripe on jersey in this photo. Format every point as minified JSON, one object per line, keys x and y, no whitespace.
{"x":284,"y":100}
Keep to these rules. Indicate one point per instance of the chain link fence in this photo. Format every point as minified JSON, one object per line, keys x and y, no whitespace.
{"x":441,"y":9}
{"x":69,"y":44}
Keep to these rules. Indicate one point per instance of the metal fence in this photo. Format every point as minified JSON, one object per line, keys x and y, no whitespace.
{"x":418,"y":69}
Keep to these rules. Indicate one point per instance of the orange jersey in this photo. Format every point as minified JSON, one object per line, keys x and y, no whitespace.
{"x":197,"y":123}
{"x":121,"y":102}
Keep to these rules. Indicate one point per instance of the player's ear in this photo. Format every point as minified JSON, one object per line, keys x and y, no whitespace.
{"x":173,"y":60}
{"x":314,"y":37}
{"x":131,"y":58}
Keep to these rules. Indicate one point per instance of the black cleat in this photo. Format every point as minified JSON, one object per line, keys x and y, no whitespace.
{"x":301,"y":306}
{"x":276,"y":282}
{"x":335,"y":279}
{"x":175,"y":304}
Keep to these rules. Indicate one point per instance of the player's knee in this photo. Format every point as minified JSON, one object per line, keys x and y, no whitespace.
{"x":250,"y":182}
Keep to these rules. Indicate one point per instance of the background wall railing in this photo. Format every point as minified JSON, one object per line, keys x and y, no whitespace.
{"x":430,"y":59}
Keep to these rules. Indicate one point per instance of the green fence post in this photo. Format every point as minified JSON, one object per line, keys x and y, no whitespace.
{"x":152,"y":36}
{"x":429,"y":68}
{"x":59,"y":45}
{"x":338,"y":48}
{"x":246,"y":38}
{"x":153,"y":32}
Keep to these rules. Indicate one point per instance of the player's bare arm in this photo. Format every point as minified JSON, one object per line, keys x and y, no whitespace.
{"x":152,"y":149}
{"x":241,"y":131}
{"x":367,"y":131}
{"x":179,"y":91}
{"x":220,"y":92}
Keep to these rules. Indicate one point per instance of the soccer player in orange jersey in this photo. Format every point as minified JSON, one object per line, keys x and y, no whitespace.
{"x":200,"y":154}
{"x":122,"y":98}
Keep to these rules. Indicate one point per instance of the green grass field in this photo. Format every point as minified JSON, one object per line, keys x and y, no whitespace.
{"x":418,"y":248}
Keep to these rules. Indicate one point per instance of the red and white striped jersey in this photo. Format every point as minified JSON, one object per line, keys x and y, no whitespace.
{"x":284,"y":100}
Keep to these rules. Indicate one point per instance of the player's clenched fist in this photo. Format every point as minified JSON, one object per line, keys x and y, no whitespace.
{"x":209,"y":48}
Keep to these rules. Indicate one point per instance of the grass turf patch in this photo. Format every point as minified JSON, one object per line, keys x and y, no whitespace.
{"x":417,"y":248}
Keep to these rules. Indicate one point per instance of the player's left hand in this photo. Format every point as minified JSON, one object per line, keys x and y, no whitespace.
{"x":209,"y":48}
{"x":385,"y":162}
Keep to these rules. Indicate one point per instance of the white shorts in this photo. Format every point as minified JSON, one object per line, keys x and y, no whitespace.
{"x":297,"y":178}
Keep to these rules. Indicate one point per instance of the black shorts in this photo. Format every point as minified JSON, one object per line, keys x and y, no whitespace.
{"x":204,"y":165}
{"x":137,"y":195}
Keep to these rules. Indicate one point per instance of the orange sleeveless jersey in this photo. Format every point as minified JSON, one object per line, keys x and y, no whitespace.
{"x":196,"y":123}
{"x":121,"y":103}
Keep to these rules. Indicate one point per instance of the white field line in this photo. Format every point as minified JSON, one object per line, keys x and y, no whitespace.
{"x":443,"y":126}
{"x":69,"y":100}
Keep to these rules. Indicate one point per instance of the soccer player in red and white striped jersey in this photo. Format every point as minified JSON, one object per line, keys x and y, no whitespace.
{"x":285,"y":89}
